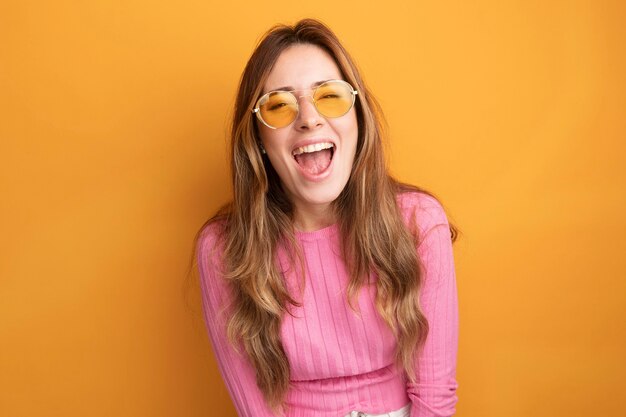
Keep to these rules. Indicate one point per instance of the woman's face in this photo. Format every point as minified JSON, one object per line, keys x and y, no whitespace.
{"x":312,"y":179}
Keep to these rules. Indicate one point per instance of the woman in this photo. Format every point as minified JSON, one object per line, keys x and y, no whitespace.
{"x":328,"y":287}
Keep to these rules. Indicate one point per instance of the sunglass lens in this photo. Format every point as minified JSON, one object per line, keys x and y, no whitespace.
{"x":334,"y":98}
{"x":279,"y":109}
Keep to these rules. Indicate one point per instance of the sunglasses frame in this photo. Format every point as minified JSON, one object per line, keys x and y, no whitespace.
{"x":257,"y":108}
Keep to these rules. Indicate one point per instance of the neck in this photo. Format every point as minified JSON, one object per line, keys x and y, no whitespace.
{"x":311,"y":218}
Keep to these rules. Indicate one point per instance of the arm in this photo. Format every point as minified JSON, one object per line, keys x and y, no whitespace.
{"x":237,"y":372}
{"x":434,"y":392}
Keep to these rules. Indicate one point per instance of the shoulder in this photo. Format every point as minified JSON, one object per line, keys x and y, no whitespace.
{"x":210,"y":262}
{"x":210,"y":242}
{"x":421,"y":210}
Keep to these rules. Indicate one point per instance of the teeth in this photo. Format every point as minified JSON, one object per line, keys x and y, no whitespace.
{"x":312,"y":148}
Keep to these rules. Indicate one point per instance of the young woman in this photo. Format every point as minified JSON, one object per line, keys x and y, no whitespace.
{"x":328,"y":287}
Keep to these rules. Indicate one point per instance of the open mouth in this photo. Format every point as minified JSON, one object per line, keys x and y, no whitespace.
{"x":314,"y":158}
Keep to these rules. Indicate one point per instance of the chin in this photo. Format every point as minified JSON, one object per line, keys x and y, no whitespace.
{"x":320,"y":197}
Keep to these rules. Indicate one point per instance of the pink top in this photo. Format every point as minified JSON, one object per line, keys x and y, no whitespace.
{"x":339,"y":361}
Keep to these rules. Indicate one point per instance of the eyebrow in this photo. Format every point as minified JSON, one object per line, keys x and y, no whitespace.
{"x":290,"y":88}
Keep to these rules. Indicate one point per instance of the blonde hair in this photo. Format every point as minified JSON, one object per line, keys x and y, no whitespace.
{"x":259,"y":220}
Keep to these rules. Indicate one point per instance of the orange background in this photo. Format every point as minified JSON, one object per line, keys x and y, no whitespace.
{"x":112,"y":154}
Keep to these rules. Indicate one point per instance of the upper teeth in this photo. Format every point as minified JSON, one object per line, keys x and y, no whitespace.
{"x":312,"y":148}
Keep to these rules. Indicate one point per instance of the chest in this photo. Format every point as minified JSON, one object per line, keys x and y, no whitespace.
{"x":325,"y":337}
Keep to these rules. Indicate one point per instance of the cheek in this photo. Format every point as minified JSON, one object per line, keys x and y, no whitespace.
{"x":268,"y":137}
{"x":350,"y":131}
{"x":273,"y":142}
{"x":351,"y":125}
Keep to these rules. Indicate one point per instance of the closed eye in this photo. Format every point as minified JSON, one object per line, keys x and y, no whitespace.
{"x":277,"y":106}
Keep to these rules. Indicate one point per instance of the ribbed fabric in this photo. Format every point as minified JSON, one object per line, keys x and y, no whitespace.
{"x":342,"y":361}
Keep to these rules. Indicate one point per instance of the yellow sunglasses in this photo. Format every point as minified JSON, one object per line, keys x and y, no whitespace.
{"x":332,"y":98}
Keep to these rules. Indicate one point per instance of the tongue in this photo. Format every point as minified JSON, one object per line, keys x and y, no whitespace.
{"x":314,"y":162}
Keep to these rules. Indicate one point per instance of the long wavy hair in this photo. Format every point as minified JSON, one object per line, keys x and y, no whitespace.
{"x":259,"y":221}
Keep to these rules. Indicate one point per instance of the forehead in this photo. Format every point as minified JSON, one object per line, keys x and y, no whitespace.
{"x":300,"y":67}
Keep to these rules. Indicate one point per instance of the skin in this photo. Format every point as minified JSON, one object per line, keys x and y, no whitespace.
{"x":300,"y":67}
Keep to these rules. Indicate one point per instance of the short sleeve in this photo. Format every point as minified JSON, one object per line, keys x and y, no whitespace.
{"x":434,"y":391}
{"x":236,"y":370}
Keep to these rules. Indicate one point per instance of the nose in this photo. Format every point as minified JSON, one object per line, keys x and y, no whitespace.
{"x":308,"y":116}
